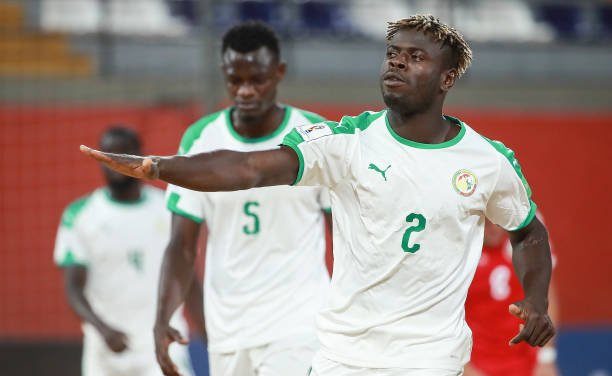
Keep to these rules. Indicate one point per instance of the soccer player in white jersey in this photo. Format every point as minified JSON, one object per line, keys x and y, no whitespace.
{"x":110,"y":245}
{"x":265,"y":276}
{"x":410,"y":189}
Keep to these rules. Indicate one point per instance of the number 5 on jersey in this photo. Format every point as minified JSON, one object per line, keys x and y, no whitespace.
{"x":252,"y":228}
{"x":418,"y":224}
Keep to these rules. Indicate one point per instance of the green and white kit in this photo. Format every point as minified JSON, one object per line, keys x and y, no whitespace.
{"x":265,"y":275}
{"x":408,"y":232}
{"x":122,"y":246}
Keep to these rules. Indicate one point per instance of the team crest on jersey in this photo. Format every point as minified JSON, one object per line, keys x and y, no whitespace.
{"x":311,"y":132}
{"x":465,"y":182}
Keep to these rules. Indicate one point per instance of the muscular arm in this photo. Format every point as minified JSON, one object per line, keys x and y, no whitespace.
{"x":221,"y":170}
{"x":532,"y":264}
{"x":195,"y":306}
{"x":75,"y":279}
{"x":176,"y":279}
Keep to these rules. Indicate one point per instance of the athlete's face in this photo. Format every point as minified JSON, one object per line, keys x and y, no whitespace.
{"x":414,"y":72}
{"x":251,"y":80}
{"x":118,"y":145}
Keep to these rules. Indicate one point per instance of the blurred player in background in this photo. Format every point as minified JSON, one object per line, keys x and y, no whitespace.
{"x":493,"y":289}
{"x":265,"y":276}
{"x":110,"y":246}
{"x":410,"y":188}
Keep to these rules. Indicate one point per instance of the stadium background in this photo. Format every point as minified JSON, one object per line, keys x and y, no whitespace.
{"x":68,"y":68}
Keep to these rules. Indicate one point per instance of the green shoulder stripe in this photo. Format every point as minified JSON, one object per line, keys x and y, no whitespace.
{"x":172,"y":205}
{"x":72,"y":211}
{"x":361,"y":122}
{"x":509,"y":155}
{"x":195,"y":130}
{"x":70,"y":260}
{"x":311,"y":116}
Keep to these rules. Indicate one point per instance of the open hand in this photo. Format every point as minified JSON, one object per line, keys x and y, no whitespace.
{"x":130,"y":165}
{"x":537,"y":328}
{"x":164,"y":336}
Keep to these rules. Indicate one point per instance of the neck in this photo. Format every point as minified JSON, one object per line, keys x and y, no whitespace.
{"x":427,"y":127}
{"x":128,"y":193}
{"x":258,"y":126}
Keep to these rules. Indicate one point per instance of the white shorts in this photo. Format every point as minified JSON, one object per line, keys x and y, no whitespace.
{"x":289,"y":356}
{"x":99,"y":360}
{"x":321,"y":366}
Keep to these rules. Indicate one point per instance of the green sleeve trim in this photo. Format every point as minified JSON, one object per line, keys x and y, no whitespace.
{"x":193,"y":133}
{"x":509,"y":155}
{"x":172,"y":205}
{"x":530,"y":216}
{"x":73,"y":210}
{"x":311,"y":116}
{"x":327,"y":210}
{"x":70,"y":260}
{"x":300,"y":156}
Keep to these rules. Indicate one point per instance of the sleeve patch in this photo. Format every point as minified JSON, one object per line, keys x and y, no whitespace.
{"x":311,"y":132}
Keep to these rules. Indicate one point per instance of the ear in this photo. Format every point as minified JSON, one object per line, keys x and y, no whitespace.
{"x":448,"y":79}
{"x":281,"y":69}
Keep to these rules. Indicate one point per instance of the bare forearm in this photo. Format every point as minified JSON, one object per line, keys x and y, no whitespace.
{"x":81,"y":307}
{"x":174,"y":283}
{"x":226,"y":170}
{"x":532,"y":261}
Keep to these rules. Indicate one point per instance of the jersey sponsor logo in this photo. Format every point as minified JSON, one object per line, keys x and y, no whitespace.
{"x":374,"y":167}
{"x":312,"y":132}
{"x":465,"y":182}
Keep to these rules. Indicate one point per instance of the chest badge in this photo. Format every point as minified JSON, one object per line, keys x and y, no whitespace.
{"x":465,"y":182}
{"x":374,"y":167}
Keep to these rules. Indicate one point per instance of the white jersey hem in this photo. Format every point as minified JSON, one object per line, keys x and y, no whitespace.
{"x":405,"y":362}
{"x":229,"y":348}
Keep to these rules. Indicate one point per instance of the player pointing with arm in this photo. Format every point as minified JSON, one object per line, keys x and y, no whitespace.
{"x":407,"y":242}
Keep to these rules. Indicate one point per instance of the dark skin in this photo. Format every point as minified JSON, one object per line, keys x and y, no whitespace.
{"x":251,"y":81}
{"x":125,"y":189}
{"x":415,"y":76}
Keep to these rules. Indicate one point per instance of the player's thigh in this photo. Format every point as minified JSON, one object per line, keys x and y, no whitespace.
{"x":289,"y":356}
{"x":321,"y":366}
{"x":235,"y":363}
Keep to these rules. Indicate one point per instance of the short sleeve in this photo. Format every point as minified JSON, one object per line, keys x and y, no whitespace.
{"x":510,"y":205}
{"x":185,"y":202}
{"x":324,"y":151}
{"x":70,"y":249}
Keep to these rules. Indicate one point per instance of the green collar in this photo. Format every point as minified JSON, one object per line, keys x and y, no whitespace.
{"x":249,"y":140}
{"x":420,"y":145}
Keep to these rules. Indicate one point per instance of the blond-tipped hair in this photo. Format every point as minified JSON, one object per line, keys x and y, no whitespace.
{"x":440,"y":32}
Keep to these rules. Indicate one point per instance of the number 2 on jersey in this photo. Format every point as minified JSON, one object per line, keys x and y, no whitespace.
{"x":418,"y":226}
{"x":252,"y":228}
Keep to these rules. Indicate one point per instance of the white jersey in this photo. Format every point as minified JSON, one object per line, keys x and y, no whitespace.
{"x":122,"y":246}
{"x":265,"y":276}
{"x":408,"y":231}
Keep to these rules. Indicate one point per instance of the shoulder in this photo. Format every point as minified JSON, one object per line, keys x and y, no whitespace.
{"x":73,"y":210}
{"x":310,"y":116}
{"x":350,"y":124}
{"x":194,"y":132}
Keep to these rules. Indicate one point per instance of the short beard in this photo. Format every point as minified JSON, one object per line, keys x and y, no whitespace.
{"x":123,"y":184}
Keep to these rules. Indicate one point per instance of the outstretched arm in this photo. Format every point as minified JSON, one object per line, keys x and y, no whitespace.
{"x":222,"y":170}
{"x":532,"y":263}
